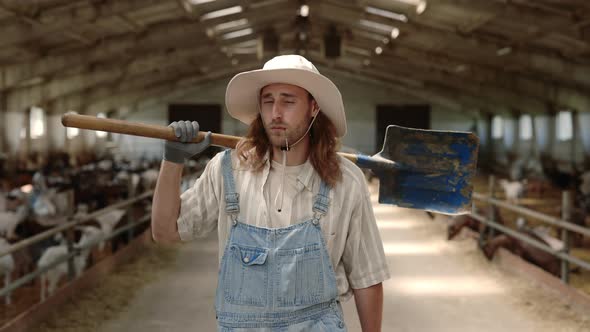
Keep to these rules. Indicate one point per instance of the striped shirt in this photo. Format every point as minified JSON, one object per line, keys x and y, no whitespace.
{"x":349,"y":228}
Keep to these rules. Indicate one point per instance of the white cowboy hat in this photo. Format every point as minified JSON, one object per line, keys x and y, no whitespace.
{"x":243,"y":91}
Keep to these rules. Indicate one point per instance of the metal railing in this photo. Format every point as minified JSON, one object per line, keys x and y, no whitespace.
{"x":563,"y":223}
{"x":73,"y":251}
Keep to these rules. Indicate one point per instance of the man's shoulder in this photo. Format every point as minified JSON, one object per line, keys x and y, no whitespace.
{"x":236,"y":162}
{"x":351,"y":173}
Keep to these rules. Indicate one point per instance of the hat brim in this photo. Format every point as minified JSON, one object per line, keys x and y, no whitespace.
{"x":243,"y":91}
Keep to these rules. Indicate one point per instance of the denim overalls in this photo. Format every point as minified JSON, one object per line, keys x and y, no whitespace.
{"x":276,"y":279}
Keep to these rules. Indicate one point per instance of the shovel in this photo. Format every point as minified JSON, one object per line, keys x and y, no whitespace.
{"x":420,"y":169}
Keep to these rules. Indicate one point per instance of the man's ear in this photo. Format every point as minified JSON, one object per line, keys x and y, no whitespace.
{"x":315,"y":108}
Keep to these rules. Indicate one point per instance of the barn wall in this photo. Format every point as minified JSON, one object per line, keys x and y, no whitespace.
{"x":441,"y":119}
{"x":360,"y":100}
{"x":15,"y":144}
{"x":584,"y":129}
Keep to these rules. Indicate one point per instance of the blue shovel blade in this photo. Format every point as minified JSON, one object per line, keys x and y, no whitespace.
{"x":426,"y":169}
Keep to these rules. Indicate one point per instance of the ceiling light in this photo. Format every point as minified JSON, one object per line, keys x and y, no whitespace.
{"x":243,"y":50}
{"x":246,"y":44}
{"x":236,"y":34}
{"x":357,"y":50}
{"x":222,"y":12}
{"x":420,"y":7}
{"x":199,"y":2}
{"x":503,"y":51}
{"x":377,"y":26}
{"x":460,"y":68}
{"x":27,"y":188}
{"x":256,"y":5}
{"x":234,"y":61}
{"x":304,"y":10}
{"x":367,"y":62}
{"x":386,"y":13}
{"x":230,"y":25}
{"x":385,"y":41}
{"x":394,"y":33}
{"x":369,"y":35}
{"x":378,"y":50}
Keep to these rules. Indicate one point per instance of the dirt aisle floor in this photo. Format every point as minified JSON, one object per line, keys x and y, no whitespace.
{"x":436,"y":286}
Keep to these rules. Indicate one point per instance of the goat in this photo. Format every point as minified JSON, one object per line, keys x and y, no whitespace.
{"x":466,"y":220}
{"x":513,"y":190}
{"x":52,"y":254}
{"x":108,"y":222}
{"x":9,"y":220}
{"x":148,"y":179}
{"x":528,"y":252}
{"x":536,"y":186}
{"x":6,"y":267}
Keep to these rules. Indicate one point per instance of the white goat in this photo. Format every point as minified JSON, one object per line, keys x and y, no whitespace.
{"x":149,"y":179}
{"x":513,"y":190}
{"x":9,"y":220}
{"x":6,"y":267}
{"x":52,"y":254}
{"x":43,"y":207}
{"x":107,"y":223}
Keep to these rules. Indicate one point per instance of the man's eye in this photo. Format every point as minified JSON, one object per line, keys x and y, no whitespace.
{"x":267,"y":102}
{"x":290,"y":102}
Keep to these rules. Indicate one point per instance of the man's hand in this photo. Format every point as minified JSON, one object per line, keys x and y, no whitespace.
{"x":177,"y":152}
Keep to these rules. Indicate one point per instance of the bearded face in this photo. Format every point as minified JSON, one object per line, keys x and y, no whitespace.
{"x":286,"y":112}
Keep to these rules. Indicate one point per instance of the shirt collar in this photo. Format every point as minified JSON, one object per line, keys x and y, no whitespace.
{"x":305,"y":177}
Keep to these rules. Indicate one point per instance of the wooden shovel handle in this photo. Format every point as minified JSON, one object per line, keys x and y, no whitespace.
{"x":152,"y":131}
{"x":140,"y":129}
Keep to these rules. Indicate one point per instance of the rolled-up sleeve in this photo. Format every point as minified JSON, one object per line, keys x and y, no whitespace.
{"x":363,"y":257}
{"x":199,"y":205}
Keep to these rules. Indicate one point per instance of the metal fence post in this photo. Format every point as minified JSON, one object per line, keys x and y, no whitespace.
{"x":492,"y":211}
{"x":485,"y":230}
{"x":132,"y":194}
{"x":70,"y":238}
{"x":566,"y":214}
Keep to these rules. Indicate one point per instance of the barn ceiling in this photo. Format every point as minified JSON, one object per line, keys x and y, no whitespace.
{"x":514,"y":56}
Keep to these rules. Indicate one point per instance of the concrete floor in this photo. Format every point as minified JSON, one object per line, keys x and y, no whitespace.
{"x":436,"y":286}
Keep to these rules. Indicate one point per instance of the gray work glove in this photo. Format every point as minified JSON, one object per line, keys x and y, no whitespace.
{"x":177,"y":152}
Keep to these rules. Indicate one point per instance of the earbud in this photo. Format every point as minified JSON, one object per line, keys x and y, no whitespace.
{"x":317,"y":110}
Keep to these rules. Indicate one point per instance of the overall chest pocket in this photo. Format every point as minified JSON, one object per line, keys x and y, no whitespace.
{"x":301,"y":279}
{"x":245,"y":280}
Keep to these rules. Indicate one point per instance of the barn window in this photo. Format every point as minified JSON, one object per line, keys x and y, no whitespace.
{"x":99,"y":133}
{"x":526,"y":127}
{"x":497,"y":127}
{"x":72,"y":132}
{"x":37,"y":122}
{"x":565,"y":127}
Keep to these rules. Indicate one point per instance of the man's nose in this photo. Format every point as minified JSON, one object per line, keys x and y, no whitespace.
{"x":277,"y":112}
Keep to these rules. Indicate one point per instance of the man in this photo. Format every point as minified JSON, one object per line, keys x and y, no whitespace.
{"x":296,"y":228}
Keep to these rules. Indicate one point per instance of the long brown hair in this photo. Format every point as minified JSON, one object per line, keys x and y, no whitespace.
{"x":323,"y":147}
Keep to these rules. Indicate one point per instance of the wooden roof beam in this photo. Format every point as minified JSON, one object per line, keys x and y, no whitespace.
{"x":473,"y":48}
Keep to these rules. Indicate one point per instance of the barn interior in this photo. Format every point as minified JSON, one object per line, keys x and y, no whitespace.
{"x":516,"y":73}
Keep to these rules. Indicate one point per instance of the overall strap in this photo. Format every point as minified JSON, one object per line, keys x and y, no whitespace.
{"x":321,"y":203}
{"x":232,"y":202}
